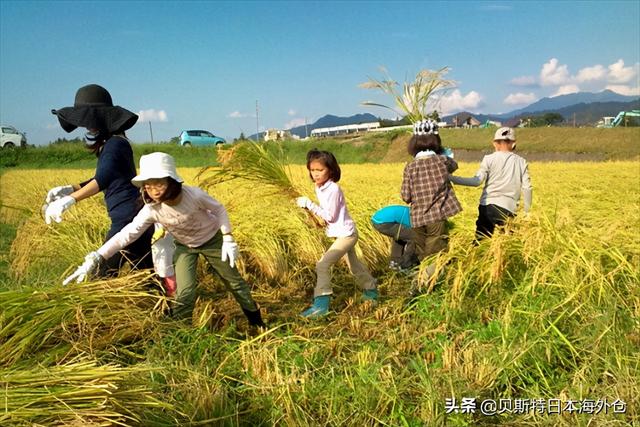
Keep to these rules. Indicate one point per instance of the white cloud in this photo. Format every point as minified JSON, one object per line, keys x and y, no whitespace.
{"x":291,"y":112}
{"x":625,"y":90}
{"x":455,"y":101}
{"x":565,"y":90}
{"x":618,"y":73}
{"x":293,"y":123}
{"x":520,"y":98}
{"x":524,"y":81}
{"x":236,"y":115}
{"x":152,"y":115}
{"x":553,"y":74}
{"x":597,"y":72}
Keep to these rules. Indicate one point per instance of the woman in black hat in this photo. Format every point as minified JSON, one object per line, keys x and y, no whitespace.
{"x":106,"y":124}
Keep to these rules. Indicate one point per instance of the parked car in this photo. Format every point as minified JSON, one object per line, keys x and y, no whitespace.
{"x":10,"y":137}
{"x":199,"y":137}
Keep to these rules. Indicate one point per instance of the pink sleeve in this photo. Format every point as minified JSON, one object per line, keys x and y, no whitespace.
{"x":130,"y":233}
{"x":216,"y":208}
{"x":330,"y":208}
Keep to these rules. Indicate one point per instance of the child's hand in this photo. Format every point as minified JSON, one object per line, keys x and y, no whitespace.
{"x":89,"y":265}
{"x":304,"y":202}
{"x":158,"y":234}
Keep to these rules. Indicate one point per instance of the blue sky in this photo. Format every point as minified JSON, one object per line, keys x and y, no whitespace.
{"x":205,"y":64}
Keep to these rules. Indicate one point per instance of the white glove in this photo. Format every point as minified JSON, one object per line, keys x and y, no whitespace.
{"x":304,"y":202}
{"x":58,"y":192}
{"x":57,"y":207}
{"x":89,"y":265}
{"x":229,"y":250}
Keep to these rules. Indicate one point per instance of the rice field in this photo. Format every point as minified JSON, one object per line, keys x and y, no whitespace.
{"x":548,"y":312}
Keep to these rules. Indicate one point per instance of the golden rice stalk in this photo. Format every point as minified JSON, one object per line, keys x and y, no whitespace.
{"x":255,"y":163}
{"x":79,"y":393}
{"x":415,"y":96}
{"x":53,"y":323}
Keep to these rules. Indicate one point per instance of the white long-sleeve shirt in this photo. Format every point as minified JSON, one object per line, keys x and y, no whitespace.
{"x":333,"y":209}
{"x":506,"y":175}
{"x":192,"y":222}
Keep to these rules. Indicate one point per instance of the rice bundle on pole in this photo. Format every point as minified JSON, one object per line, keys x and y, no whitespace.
{"x":413,"y":101}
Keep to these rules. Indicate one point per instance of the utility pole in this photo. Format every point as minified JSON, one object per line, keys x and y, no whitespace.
{"x":257,"y":123}
{"x":151,"y":131}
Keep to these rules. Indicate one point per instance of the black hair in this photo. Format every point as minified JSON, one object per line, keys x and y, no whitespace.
{"x":327,"y":159}
{"x":101,"y":138}
{"x":173,"y":190}
{"x":429,"y":141}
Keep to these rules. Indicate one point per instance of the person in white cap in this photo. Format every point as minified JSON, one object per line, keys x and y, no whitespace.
{"x":505,"y":175}
{"x":199,"y":225}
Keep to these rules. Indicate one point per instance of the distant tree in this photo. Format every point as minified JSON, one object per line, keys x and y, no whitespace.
{"x":434,"y":116}
{"x":242,"y":137}
{"x":175,"y":140}
{"x":547,"y":119}
{"x":66,"y":141}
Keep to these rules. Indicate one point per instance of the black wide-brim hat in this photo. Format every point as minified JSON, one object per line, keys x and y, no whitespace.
{"x":94,"y":109}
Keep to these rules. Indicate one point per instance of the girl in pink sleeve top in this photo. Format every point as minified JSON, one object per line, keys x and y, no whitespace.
{"x":324,"y":171}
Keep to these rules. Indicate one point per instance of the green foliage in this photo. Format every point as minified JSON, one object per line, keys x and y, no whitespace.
{"x":547,"y":119}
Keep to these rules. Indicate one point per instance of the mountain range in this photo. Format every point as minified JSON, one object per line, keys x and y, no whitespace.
{"x":582,"y":108}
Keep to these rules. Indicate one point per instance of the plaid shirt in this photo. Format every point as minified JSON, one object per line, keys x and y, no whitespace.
{"x":425,"y":185}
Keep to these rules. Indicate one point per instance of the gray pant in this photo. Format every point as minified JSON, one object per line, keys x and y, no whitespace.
{"x":342,"y":246}
{"x":403,"y":246}
{"x":431,"y":239}
{"x":186,"y":260}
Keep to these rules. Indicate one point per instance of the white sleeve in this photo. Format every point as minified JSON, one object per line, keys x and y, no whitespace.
{"x":527,"y":189}
{"x":130,"y":233}
{"x":216,"y":208}
{"x":475,"y":180}
{"x":330,"y":212}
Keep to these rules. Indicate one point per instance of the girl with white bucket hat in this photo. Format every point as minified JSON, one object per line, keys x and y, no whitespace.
{"x":199,"y":225}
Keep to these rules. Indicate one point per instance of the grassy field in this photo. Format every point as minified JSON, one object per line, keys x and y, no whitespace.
{"x":549,"y":310}
{"x":599,"y":144}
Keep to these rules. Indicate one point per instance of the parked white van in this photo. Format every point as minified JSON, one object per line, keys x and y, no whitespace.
{"x":10,"y":137}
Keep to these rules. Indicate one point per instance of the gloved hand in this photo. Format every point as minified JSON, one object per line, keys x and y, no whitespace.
{"x":57,"y":207}
{"x":89,"y":265}
{"x":158,"y":234}
{"x":229,"y":250}
{"x":304,"y":202}
{"x":58,"y":192}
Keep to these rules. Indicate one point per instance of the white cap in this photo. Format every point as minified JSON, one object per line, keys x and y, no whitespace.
{"x":154,"y":166}
{"x":505,"y":134}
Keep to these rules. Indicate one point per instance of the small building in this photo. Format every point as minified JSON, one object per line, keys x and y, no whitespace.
{"x":465,"y":120}
{"x":515,"y":122}
{"x":345,"y":129}
{"x":276,"y":135}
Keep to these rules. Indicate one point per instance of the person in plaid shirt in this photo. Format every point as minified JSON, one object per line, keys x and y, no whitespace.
{"x":426,"y":187}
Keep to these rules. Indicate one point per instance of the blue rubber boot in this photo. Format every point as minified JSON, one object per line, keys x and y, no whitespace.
{"x":370,"y":295}
{"x":320,"y":308}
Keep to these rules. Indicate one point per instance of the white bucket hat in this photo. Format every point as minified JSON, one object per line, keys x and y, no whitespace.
{"x":154,"y":166}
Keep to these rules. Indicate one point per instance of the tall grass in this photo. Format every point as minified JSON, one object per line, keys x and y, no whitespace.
{"x":548,"y":309}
